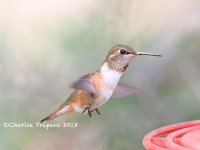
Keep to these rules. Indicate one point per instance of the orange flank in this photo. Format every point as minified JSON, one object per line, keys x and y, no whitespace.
{"x":96,"y":79}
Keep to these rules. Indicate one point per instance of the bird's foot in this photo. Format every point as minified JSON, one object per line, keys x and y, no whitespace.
{"x":97,"y":111}
{"x":88,"y":110}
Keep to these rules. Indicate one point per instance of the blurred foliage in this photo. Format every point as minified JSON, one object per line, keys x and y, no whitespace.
{"x":46,"y":45}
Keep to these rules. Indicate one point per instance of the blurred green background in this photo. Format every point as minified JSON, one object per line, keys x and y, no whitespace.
{"x":46,"y":45}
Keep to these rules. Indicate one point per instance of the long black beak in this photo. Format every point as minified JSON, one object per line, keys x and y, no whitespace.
{"x":150,"y":54}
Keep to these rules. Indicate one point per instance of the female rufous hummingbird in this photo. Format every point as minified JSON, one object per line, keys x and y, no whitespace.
{"x":95,"y":89}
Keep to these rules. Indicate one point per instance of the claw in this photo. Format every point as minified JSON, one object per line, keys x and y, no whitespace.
{"x":89,"y":112}
{"x":84,"y":110}
{"x":97,"y":111}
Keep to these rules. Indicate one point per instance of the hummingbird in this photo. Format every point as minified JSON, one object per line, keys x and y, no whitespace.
{"x":95,"y":89}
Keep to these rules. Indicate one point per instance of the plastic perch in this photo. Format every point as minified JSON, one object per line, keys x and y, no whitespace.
{"x":180,"y":136}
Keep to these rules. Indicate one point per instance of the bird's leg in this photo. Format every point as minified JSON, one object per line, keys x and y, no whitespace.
{"x":97,"y":111}
{"x":84,"y":110}
{"x":89,"y":111}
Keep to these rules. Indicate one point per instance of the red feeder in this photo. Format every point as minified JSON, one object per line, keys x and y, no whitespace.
{"x":180,"y":136}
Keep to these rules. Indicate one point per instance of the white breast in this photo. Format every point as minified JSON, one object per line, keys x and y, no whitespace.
{"x":110,"y":79}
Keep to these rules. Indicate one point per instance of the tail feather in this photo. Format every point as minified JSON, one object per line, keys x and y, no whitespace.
{"x":65,"y":110}
{"x":50,"y":117}
{"x":45,"y":119}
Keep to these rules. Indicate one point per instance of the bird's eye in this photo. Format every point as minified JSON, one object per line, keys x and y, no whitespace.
{"x":122,"y":51}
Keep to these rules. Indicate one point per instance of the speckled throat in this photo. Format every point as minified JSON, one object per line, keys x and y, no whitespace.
{"x":118,"y":64}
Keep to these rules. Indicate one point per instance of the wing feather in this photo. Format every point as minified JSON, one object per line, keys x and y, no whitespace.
{"x":84,"y":84}
{"x":123,"y":90}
